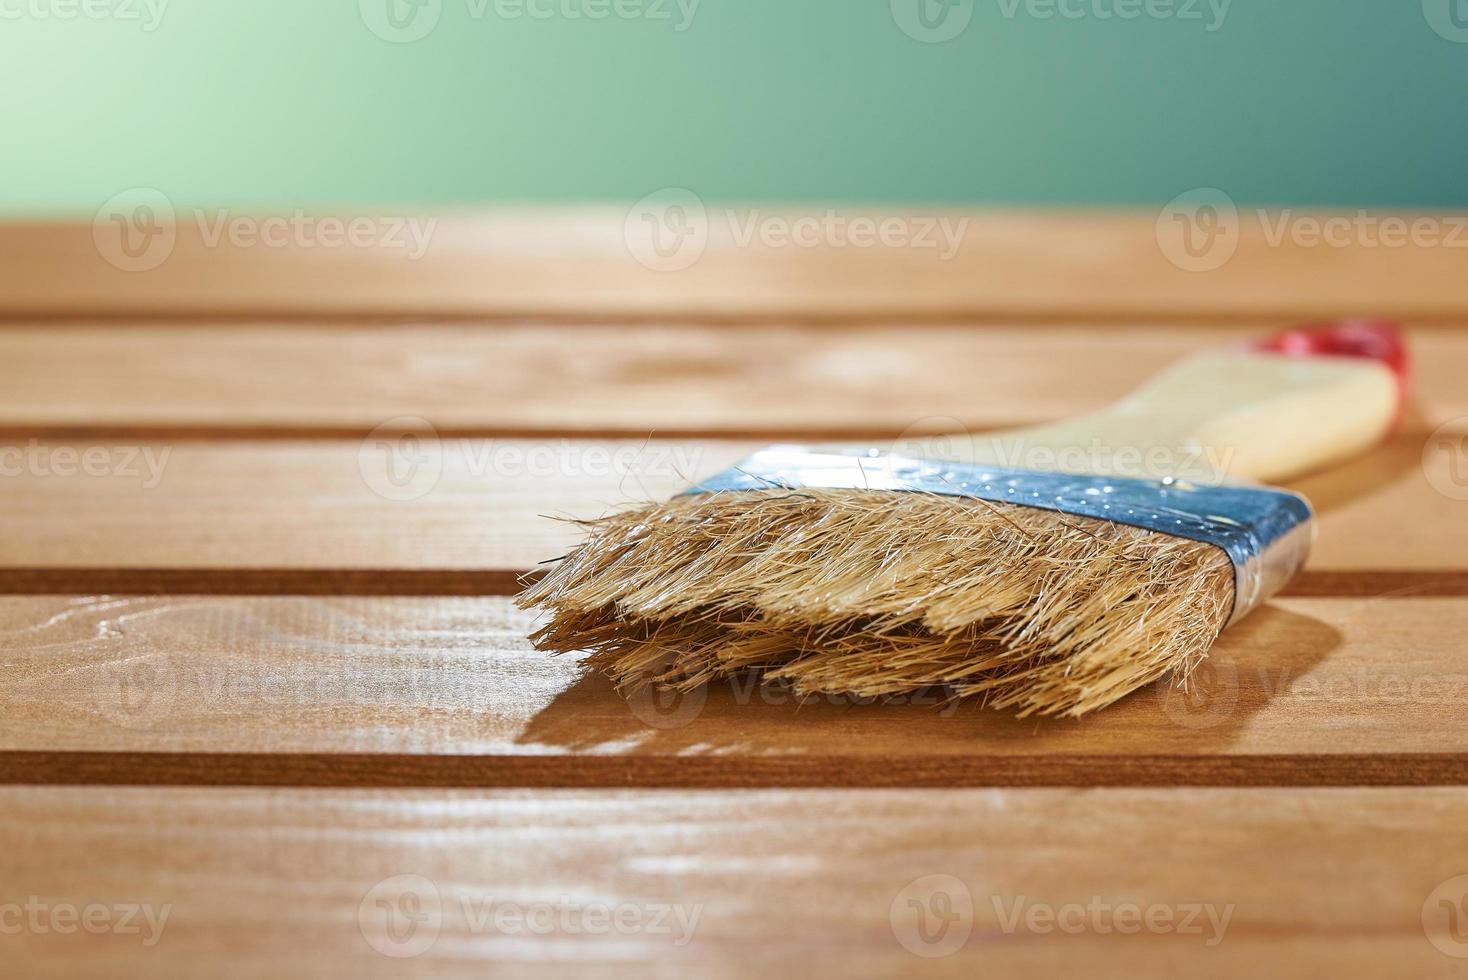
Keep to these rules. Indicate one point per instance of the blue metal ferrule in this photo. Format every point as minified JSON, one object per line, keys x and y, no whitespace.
{"x":1266,"y":533}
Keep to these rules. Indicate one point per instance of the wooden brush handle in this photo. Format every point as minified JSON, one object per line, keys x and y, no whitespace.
{"x":1267,"y":411}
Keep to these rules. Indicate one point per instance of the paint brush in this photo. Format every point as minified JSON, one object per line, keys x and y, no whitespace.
{"x":1048,"y":570}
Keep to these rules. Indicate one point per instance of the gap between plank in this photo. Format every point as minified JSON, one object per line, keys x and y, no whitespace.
{"x":1355,"y":584}
{"x":20,"y":316}
{"x":328,"y":770}
{"x":216,"y":432}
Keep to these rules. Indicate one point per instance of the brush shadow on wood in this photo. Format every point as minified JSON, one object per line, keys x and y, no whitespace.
{"x":1264,"y":659}
{"x":1254,"y":664}
{"x":1397,"y":459}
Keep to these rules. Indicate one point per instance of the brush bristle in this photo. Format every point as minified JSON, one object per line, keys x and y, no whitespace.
{"x":874,"y":593}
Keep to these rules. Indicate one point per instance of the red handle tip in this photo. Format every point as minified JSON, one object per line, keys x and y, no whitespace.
{"x":1376,"y":340}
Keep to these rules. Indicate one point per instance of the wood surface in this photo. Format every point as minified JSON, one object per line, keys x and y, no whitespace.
{"x":322,"y":515}
{"x":264,"y":662}
{"x":786,"y":380}
{"x":447,"y":691}
{"x":257,"y":458}
{"x":1344,"y":882}
{"x":576,"y":262}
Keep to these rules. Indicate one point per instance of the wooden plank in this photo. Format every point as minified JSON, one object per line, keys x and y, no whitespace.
{"x":244,"y":516}
{"x":632,"y":380}
{"x":246,"y":883}
{"x":446,"y":691}
{"x":578,"y":262}
{"x":464,"y":515}
{"x":774,"y":381}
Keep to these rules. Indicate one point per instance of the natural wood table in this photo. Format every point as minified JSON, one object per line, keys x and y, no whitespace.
{"x":263,"y":685}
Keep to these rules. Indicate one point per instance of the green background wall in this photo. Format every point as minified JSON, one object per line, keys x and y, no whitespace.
{"x":273,"y":103}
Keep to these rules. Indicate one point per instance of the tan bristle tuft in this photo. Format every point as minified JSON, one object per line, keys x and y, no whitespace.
{"x":873,"y":593}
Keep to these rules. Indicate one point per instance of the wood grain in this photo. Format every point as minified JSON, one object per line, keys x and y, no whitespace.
{"x":429,"y":692}
{"x":765,"y":381}
{"x":214,"y":435}
{"x":507,"y":378}
{"x":577,"y":262}
{"x":1291,"y":883}
{"x":466,"y":515}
